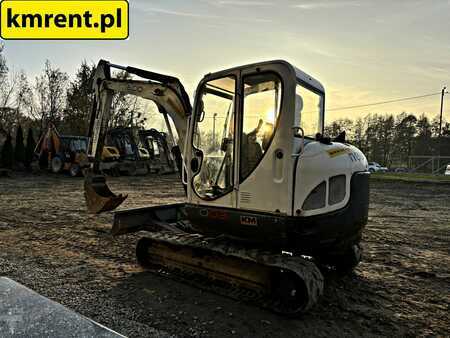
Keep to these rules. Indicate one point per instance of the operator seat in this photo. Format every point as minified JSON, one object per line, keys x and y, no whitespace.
{"x":251,"y":151}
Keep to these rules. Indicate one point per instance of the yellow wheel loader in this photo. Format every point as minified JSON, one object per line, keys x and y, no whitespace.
{"x":269,"y":199}
{"x":60,"y":153}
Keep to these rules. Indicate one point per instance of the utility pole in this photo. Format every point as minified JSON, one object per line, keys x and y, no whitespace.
{"x":440,"y":126}
{"x":214,"y":130}
{"x":442,"y":110}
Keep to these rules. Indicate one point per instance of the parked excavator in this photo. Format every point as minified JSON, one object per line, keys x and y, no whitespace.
{"x":269,"y":201}
{"x":141,"y":151}
{"x":134,"y":160}
{"x":157,"y":145}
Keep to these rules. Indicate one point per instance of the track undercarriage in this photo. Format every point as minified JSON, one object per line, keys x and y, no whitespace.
{"x":284,"y":283}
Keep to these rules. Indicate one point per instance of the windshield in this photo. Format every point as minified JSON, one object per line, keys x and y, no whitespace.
{"x":80,"y":145}
{"x":74,"y":144}
{"x":309,"y":110}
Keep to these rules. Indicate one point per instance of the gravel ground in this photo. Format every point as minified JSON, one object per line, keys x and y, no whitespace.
{"x":50,"y":244}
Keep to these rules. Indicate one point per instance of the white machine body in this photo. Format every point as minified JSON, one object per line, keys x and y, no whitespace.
{"x":293,"y":165}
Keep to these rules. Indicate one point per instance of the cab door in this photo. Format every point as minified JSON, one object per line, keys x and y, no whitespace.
{"x":265,"y":140}
{"x":213,"y":143}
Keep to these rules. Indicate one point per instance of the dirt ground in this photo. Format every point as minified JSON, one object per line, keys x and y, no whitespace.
{"x":49,"y":243}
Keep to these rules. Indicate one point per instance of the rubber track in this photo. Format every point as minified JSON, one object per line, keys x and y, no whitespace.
{"x":304,"y":268}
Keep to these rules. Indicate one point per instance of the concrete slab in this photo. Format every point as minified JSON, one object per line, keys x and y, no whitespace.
{"x":25,"y":313}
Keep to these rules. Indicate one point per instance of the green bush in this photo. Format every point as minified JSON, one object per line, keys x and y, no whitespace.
{"x":29,"y":149}
{"x":19,"y":150}
{"x":7,"y":154}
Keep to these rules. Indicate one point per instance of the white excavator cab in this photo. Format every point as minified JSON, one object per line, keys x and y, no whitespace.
{"x":246,"y":132}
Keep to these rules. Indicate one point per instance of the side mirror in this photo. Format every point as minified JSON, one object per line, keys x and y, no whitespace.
{"x":201,"y":116}
{"x":195,"y":164}
{"x":201,"y":110}
{"x":225,"y":142}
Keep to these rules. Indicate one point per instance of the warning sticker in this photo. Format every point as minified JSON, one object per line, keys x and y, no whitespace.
{"x":337,"y":152}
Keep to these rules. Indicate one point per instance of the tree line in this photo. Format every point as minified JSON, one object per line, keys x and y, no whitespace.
{"x":391,"y":139}
{"x":54,"y":97}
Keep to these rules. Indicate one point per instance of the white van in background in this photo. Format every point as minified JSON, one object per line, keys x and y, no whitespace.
{"x":376,"y":167}
{"x":447,"y":171}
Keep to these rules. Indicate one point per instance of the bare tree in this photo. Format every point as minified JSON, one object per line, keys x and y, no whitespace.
{"x":79,"y":101}
{"x":16,"y":100}
{"x":10,"y":81}
{"x":50,"y":88}
{"x":8,"y":84}
{"x":126,"y":110}
{"x":3,"y":67}
{"x":24,"y":95}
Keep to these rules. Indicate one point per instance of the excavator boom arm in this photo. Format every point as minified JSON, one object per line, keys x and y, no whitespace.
{"x":166,"y":92}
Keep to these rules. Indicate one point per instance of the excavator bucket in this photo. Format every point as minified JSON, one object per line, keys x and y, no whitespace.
{"x":99,"y":198}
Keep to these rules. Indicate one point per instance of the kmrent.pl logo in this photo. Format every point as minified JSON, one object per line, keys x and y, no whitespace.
{"x":65,"y":19}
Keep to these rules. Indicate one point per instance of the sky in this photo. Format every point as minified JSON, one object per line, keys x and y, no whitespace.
{"x":361,"y":51}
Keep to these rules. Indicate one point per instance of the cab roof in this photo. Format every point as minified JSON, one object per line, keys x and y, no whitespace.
{"x":298,"y":73}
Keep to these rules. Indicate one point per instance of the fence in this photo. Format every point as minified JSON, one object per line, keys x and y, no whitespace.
{"x":433,"y":164}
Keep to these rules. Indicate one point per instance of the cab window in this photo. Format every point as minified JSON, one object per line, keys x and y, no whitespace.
{"x":262,"y":101}
{"x":309,"y":110}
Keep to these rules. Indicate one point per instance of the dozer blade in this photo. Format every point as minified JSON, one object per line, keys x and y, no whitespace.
{"x":99,"y":198}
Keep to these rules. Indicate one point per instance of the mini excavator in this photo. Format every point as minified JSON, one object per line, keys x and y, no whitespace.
{"x":269,"y":199}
